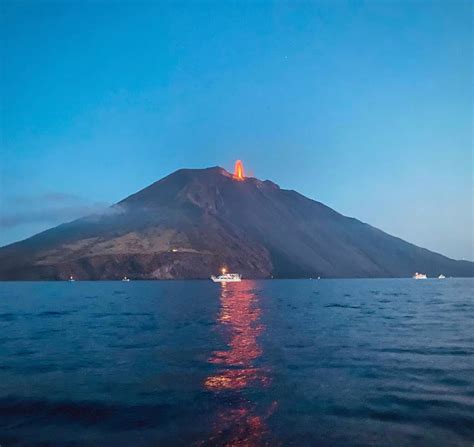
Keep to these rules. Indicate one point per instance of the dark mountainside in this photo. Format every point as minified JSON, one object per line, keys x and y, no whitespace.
{"x":193,"y":222}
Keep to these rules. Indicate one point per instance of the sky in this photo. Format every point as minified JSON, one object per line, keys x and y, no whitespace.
{"x":366,"y":106}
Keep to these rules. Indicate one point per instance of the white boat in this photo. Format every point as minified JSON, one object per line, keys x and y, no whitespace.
{"x":419,"y":276}
{"x":71,"y":279}
{"x":125,"y":279}
{"x":227,"y":277}
{"x":441,"y":276}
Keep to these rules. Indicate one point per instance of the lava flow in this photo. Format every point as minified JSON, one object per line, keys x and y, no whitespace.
{"x":239,"y":171}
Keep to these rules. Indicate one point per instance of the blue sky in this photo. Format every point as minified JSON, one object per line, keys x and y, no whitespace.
{"x":365,"y":106}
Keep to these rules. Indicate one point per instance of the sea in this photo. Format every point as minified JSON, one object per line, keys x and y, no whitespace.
{"x":356,"y":362}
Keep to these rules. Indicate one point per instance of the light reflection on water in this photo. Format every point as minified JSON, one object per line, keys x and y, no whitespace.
{"x":146,"y":363}
{"x":238,"y":372}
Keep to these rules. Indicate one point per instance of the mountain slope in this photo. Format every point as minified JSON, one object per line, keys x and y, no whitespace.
{"x":194,"y":221}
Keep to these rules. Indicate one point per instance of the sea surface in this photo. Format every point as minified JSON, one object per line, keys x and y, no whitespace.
{"x":279,"y":363}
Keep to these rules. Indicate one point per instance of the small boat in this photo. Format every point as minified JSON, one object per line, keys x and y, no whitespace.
{"x":441,"y":276}
{"x":227,"y":277}
{"x":125,"y":279}
{"x":419,"y":276}
{"x":71,"y":279}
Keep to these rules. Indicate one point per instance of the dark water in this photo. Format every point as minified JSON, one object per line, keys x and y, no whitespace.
{"x":301,"y":363}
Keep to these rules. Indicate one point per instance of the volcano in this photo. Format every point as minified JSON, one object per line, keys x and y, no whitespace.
{"x":193,"y":222}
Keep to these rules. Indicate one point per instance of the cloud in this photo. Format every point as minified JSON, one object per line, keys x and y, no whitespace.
{"x":104,"y":211}
{"x":48,"y":208}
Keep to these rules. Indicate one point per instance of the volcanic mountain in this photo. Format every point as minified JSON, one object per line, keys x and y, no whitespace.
{"x":195,"y":221}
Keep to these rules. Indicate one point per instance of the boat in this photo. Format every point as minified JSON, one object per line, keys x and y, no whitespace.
{"x":419,"y":276}
{"x":441,"y":276}
{"x":71,"y":279}
{"x":125,"y":279}
{"x":227,"y":277}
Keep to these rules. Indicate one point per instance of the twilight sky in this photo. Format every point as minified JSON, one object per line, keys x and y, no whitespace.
{"x":365,"y":106}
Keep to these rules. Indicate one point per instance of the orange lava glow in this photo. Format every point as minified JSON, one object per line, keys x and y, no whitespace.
{"x":239,"y":321}
{"x":239,"y":171}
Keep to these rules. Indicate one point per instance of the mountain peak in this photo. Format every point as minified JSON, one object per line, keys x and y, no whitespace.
{"x":193,"y":221}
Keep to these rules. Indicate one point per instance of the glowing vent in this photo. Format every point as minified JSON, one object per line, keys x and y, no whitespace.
{"x":239,"y":171}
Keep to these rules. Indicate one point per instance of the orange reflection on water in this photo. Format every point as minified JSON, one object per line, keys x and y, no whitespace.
{"x":239,"y":321}
{"x":240,"y":318}
{"x":241,"y":427}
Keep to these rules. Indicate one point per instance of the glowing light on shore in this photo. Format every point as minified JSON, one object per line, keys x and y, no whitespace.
{"x":239,"y":171}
